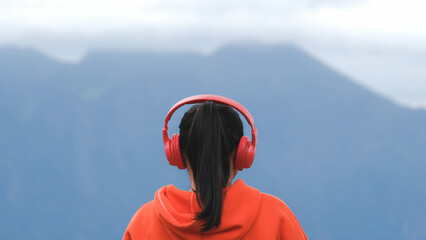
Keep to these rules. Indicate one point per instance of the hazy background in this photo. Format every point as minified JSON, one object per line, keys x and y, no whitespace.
{"x":379,"y":43}
{"x":337,"y":89}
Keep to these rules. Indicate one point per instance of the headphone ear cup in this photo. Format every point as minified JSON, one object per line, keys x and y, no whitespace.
{"x":168,"y":151}
{"x":245,"y":154}
{"x":177,"y":156}
{"x":173,"y":152}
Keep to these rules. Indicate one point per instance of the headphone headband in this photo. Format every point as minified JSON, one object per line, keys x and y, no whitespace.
{"x":217,"y":99}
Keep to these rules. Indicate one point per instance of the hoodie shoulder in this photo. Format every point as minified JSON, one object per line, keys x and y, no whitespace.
{"x":277,"y":206}
{"x":145,"y":224}
{"x":275,"y":220}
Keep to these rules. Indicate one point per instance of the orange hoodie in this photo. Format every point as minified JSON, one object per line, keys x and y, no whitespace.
{"x":246,"y":214}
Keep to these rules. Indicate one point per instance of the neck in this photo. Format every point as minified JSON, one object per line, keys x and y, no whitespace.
{"x":191,"y":176}
{"x":193,"y":183}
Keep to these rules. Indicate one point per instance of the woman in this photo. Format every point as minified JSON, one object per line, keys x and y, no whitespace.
{"x":212,"y":147}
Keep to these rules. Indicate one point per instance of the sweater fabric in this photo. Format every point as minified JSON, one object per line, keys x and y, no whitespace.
{"x":247,"y":214}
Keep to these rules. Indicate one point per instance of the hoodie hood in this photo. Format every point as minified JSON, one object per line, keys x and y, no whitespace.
{"x":177,"y":210}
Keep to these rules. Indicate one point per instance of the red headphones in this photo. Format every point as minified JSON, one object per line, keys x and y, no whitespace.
{"x":246,"y":148}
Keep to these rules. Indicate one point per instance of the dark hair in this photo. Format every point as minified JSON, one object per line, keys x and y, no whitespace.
{"x":209,"y":134}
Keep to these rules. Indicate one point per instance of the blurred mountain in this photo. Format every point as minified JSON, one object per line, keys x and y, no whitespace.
{"x":81,"y":146}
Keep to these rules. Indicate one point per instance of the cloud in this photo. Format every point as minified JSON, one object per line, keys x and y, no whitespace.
{"x":346,"y":34}
{"x":275,"y":20}
{"x":208,"y":24}
{"x":335,"y":3}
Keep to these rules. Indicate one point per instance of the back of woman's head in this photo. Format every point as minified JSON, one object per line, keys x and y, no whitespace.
{"x":209,"y":136}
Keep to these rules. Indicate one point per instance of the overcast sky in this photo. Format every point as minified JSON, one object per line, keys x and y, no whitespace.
{"x":378,"y":43}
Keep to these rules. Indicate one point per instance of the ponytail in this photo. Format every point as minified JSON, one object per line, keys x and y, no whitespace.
{"x":209,"y":134}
